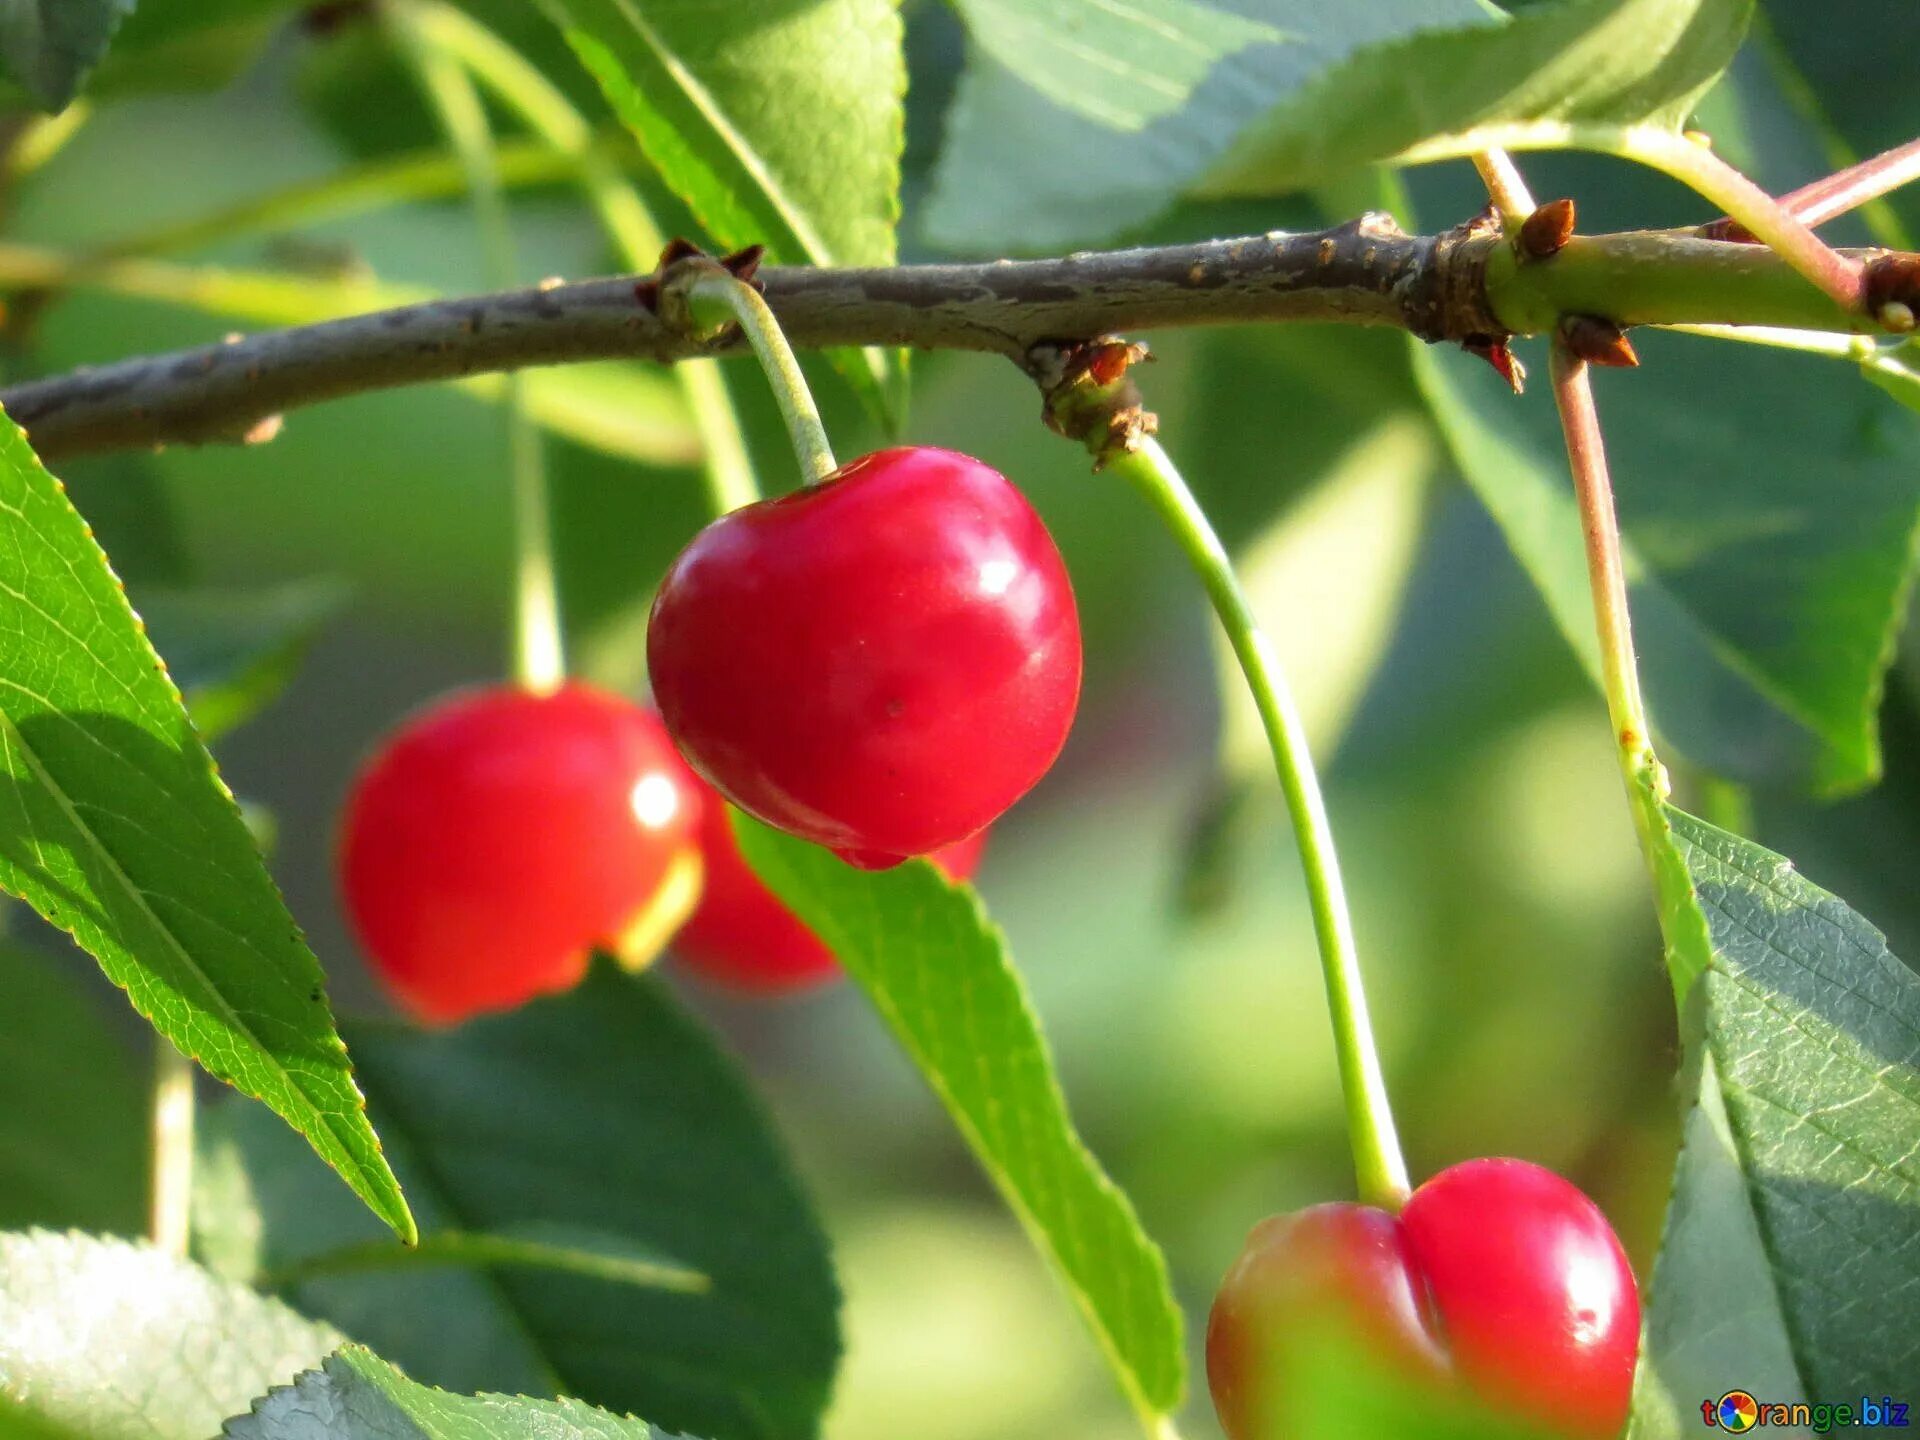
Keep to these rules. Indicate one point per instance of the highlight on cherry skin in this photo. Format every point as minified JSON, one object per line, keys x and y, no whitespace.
{"x":740,"y":936}
{"x":881,"y":662}
{"x":1498,"y":1276}
{"x":499,"y":837}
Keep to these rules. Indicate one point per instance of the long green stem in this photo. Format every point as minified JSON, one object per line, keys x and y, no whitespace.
{"x":171,"y":1208}
{"x":1378,"y":1165}
{"x":782,"y":366}
{"x":475,"y":1248}
{"x":539,"y":660}
{"x":625,"y":218}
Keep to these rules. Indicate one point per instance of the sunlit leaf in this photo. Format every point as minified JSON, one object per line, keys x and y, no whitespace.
{"x":115,"y":826}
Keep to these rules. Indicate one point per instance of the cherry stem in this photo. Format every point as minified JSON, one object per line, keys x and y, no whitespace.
{"x":1606,"y":571}
{"x":1377,"y":1162}
{"x":539,"y":655}
{"x":781,"y":365}
{"x":171,"y":1200}
{"x":1834,"y":195}
{"x":636,"y":238}
{"x":1506,"y":186}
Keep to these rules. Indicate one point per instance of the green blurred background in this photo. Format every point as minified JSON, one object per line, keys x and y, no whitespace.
{"x":1148,"y":886}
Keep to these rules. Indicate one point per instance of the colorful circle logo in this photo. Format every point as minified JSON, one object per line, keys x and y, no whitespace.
{"x":1737,"y":1411}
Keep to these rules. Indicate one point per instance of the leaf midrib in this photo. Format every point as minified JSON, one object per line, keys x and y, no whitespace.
{"x":322,"y":1118}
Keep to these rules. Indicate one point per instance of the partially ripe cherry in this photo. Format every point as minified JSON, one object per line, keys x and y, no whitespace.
{"x":881,"y":663}
{"x":1336,"y":1270}
{"x":1498,"y":1274}
{"x":742,"y":937}
{"x":499,"y":837}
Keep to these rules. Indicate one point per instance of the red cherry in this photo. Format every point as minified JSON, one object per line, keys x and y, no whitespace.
{"x":744,"y":938}
{"x":1534,"y":1293}
{"x":498,"y":837}
{"x":1339,"y":1269}
{"x":881,"y":663}
{"x":1498,"y":1273}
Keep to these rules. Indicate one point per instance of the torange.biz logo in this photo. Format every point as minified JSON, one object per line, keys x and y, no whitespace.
{"x":1739,"y":1412}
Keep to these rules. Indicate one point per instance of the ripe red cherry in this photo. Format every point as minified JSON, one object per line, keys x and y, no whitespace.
{"x":743,"y":937}
{"x":1497,"y":1272}
{"x":881,"y":663}
{"x":498,"y":837}
{"x":1534,"y":1293}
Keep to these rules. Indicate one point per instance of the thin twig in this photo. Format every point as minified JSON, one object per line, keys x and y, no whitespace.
{"x":1365,"y":272}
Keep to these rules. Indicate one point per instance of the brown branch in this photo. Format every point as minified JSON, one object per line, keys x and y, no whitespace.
{"x":1364,"y":272}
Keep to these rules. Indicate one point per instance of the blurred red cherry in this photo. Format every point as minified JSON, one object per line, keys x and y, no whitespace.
{"x":498,"y":837}
{"x":742,"y":937}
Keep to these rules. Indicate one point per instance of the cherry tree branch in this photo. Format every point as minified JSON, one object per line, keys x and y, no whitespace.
{"x":1458,"y":285}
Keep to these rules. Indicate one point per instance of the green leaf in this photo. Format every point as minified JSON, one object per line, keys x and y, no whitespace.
{"x":778,"y":123}
{"x":356,"y":1395}
{"x":107,"y":1340}
{"x":1857,"y":78}
{"x":1120,"y":66}
{"x":115,"y":826}
{"x":232,"y":653}
{"x":938,"y":972}
{"x":48,"y":46}
{"x":1769,"y":509}
{"x":997,"y":189}
{"x":1790,"y":1253}
{"x":74,"y":1123}
{"x":559,"y":1157}
{"x":1591,"y":62}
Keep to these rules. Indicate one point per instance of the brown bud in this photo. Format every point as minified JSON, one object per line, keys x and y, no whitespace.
{"x":1598,"y":342}
{"x":742,"y":264}
{"x":1892,"y":280}
{"x":1546,"y":231}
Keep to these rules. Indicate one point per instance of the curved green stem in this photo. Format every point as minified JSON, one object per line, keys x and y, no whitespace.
{"x":782,"y":366}
{"x":539,"y":658}
{"x":1378,"y":1166}
{"x":637,"y":239}
{"x":171,"y":1209}
{"x":489,"y":1251}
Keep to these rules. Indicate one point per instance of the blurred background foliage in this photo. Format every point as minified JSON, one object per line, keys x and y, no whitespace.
{"x":1149,"y":885}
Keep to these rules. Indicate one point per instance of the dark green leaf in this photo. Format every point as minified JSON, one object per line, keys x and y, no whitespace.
{"x":1118,"y":66}
{"x":231,"y":654}
{"x":356,"y":1395}
{"x":938,"y":972}
{"x":1595,"y":62}
{"x":1857,"y":77}
{"x":1793,"y":1244}
{"x":106,"y":1340}
{"x":1768,"y":505}
{"x":777,"y":123}
{"x":173,"y":45}
{"x":575,"y":1146}
{"x":115,"y":826}
{"x":48,"y":46}
{"x":73,"y":1124}
{"x":997,"y":189}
